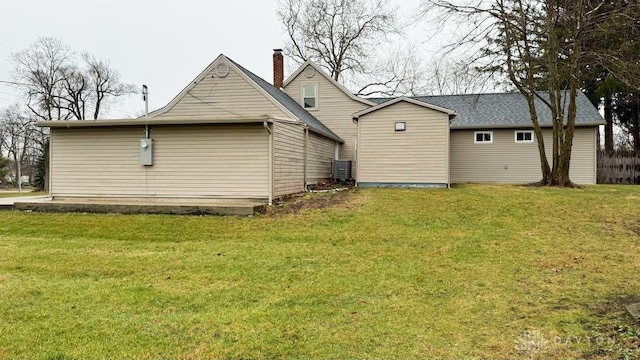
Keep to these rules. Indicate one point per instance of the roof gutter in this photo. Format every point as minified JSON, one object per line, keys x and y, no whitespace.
{"x":514,"y":126}
{"x":151,"y":121}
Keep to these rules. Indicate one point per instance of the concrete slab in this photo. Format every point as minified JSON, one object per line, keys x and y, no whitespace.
{"x":144,"y":206}
{"x":9,"y":201}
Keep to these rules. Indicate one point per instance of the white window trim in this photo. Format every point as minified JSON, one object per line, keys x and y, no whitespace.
{"x":404,"y":126}
{"x":475,"y":137}
{"x":515,"y":137}
{"x":315,"y":86}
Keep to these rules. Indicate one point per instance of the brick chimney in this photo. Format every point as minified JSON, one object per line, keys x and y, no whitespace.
{"x":278,"y":68}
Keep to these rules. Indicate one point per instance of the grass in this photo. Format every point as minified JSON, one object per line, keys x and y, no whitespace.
{"x":472,"y":272}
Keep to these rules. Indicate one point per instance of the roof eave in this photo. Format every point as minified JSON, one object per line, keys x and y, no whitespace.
{"x":328,"y":136}
{"x":514,"y":126}
{"x":151,"y":121}
{"x":383,"y":105}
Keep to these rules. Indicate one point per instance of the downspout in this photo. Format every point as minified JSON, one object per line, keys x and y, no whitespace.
{"x":357,"y":144}
{"x":49,"y":161}
{"x":266,"y":126}
{"x":451,"y":117}
{"x":306,"y":155}
{"x":336,"y":157}
{"x":595,"y":155}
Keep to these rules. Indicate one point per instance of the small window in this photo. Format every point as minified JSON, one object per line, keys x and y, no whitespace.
{"x":483,"y":137}
{"x":401,"y":126}
{"x":524,"y":136}
{"x":310,"y":96}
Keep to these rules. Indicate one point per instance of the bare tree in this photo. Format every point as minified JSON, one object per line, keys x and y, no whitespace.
{"x":105,"y":83}
{"x":458,"y":77}
{"x":17,"y":133}
{"x":3,"y":171}
{"x":538,"y":45}
{"x":338,"y":35}
{"x":345,"y":37}
{"x":59,"y":86}
{"x":400,"y":72}
{"x":40,"y":69}
{"x":76,"y":90}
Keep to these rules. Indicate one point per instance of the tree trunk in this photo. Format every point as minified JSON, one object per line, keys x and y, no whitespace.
{"x":553,"y":85}
{"x":566,"y":139}
{"x":544,"y":163}
{"x":19,"y":174}
{"x":635,"y":120}
{"x":608,"y":127}
{"x":565,"y":156}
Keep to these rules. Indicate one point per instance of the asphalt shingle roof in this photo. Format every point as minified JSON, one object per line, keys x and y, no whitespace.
{"x":290,"y":104}
{"x":502,"y":110}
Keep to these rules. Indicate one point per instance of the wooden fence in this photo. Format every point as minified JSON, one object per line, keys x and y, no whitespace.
{"x":618,"y":168}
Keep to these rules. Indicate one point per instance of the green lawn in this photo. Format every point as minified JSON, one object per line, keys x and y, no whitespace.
{"x":471,"y":272}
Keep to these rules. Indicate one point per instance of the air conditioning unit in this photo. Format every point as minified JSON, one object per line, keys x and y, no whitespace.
{"x":342,"y":170}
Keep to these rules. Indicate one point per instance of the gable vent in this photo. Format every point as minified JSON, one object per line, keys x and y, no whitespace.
{"x":309,"y":72}
{"x":222,"y":70}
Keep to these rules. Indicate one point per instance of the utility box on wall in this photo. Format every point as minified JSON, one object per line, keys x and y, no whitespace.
{"x":146,"y":152}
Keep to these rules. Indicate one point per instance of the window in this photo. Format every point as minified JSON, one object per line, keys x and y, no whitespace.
{"x":483,"y":137}
{"x":310,"y":96}
{"x":524,"y":136}
{"x":401,"y":126}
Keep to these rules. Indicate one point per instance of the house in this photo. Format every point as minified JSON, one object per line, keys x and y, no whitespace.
{"x":231,"y":134}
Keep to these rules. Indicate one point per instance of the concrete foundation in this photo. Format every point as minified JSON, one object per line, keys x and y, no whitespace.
{"x":239,"y":207}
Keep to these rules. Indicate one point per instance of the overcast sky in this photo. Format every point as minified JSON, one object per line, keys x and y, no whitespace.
{"x":163,"y":44}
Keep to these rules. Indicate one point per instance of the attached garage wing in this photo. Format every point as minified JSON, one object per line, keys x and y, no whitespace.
{"x":404,"y":144}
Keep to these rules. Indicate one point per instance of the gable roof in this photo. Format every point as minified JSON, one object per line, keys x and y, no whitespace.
{"x":382,"y":105}
{"x":187,"y":88}
{"x":291,"y":105}
{"x":326,"y":76}
{"x":276,"y":96}
{"x":502,"y":110}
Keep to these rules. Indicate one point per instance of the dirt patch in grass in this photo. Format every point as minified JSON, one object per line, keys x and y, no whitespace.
{"x":631,"y":224}
{"x":615,"y":305}
{"x":616,"y":335}
{"x":296,"y":203}
{"x":635,"y":227}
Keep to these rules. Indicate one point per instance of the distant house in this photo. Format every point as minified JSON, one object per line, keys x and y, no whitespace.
{"x":231,"y":134}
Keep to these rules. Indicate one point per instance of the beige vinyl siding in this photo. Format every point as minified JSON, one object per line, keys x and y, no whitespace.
{"x":417,"y":155}
{"x":321,"y":151}
{"x":505,"y":161}
{"x":334,"y":109}
{"x":288,"y":158}
{"x":189,"y":161}
{"x":223,"y":96}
